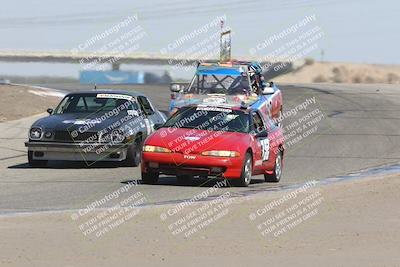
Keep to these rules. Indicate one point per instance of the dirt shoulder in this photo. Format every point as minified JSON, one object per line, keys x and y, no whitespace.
{"x":342,"y":72}
{"x":17,"y":102}
{"x":344,"y":224}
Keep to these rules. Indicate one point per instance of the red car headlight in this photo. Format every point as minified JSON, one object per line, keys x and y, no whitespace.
{"x":156,"y":149}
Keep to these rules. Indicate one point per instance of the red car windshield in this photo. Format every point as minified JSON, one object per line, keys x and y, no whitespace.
{"x":210,"y":118}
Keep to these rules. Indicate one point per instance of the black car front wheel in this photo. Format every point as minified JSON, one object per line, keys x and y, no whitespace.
{"x":34,"y":162}
{"x":134,"y":154}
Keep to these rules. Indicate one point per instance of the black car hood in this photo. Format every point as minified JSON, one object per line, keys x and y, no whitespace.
{"x":73,"y":121}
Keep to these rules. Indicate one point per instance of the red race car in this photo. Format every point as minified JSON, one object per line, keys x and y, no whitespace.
{"x":221,"y":141}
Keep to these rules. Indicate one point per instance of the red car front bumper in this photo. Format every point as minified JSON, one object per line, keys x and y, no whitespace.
{"x":178,"y":163}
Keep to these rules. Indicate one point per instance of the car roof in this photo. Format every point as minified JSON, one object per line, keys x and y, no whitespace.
{"x":233,"y":63}
{"x":234,"y":67}
{"x":220,"y":70}
{"x":107,"y":91}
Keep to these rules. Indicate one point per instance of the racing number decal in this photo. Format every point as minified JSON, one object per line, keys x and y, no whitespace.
{"x":264,"y":149}
{"x":148,"y":126}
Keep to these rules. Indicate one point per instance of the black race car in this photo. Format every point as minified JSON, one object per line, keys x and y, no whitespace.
{"x":90,"y":126}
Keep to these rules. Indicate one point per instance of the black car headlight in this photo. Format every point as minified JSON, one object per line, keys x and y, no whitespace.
{"x":35,"y":133}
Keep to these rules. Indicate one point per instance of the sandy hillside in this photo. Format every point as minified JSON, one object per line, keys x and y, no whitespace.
{"x":19,"y":101}
{"x":332,"y":72}
{"x":345,"y":224}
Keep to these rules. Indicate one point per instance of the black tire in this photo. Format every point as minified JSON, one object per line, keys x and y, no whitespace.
{"x":184,"y":179}
{"x":34,"y":162}
{"x":275,"y":177}
{"x":150,"y":177}
{"x":134,"y":153}
{"x":247,"y":173}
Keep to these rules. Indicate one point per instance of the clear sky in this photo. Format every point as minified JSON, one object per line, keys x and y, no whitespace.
{"x":365,"y":31}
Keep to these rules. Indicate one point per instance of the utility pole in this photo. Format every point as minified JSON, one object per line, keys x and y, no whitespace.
{"x":322,"y":55}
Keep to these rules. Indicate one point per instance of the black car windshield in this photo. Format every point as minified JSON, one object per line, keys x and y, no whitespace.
{"x":210,"y":118}
{"x":219,"y":84}
{"x":93,"y":103}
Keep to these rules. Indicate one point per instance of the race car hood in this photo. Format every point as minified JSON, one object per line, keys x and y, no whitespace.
{"x":73,"y":121}
{"x":192,"y":141}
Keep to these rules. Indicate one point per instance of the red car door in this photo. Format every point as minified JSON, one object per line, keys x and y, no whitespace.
{"x":261,"y":153}
{"x":268,"y":144}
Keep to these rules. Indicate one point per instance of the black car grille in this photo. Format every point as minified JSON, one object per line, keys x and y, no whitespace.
{"x":65,"y":136}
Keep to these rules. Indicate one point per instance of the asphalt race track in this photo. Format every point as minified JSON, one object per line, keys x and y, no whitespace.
{"x":358,"y":128}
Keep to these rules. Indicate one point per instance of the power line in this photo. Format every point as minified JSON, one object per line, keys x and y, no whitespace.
{"x":161,"y":12}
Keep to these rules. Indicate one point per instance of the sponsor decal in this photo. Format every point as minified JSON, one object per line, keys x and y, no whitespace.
{"x":206,"y":108}
{"x":81,"y":122}
{"x":215,"y":100}
{"x":115,"y":96}
{"x":189,"y":157}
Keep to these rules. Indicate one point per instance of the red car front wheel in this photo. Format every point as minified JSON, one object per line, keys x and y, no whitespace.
{"x":247,"y":172}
